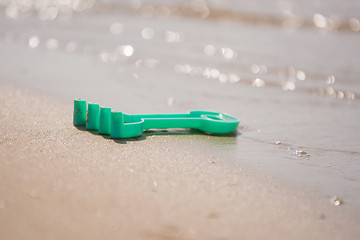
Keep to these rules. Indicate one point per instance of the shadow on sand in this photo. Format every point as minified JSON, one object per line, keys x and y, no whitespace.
{"x":157,"y":132}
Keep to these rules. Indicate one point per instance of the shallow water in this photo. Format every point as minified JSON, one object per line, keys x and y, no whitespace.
{"x":289,"y":71}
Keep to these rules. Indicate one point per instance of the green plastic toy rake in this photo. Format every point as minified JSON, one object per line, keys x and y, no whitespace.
{"x":121,"y":125}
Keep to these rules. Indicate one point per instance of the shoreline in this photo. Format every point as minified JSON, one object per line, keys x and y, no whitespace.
{"x":61,"y":182}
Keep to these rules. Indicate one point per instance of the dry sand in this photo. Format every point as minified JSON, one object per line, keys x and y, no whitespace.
{"x":60,"y":182}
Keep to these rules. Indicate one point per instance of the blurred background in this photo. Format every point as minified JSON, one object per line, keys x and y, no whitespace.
{"x":288,"y":69}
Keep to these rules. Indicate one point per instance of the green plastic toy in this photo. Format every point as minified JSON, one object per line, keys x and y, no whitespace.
{"x":121,"y":125}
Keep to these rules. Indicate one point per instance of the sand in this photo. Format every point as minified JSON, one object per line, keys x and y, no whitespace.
{"x":289,"y":71}
{"x":62,"y":182}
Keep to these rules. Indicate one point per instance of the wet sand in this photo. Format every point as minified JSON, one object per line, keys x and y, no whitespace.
{"x":60,"y":182}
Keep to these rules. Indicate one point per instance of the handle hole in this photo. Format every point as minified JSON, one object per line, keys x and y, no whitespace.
{"x":214,"y":117}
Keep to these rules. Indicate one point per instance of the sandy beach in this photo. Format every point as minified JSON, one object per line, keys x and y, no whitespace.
{"x":60,"y":182}
{"x":287,"y":69}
